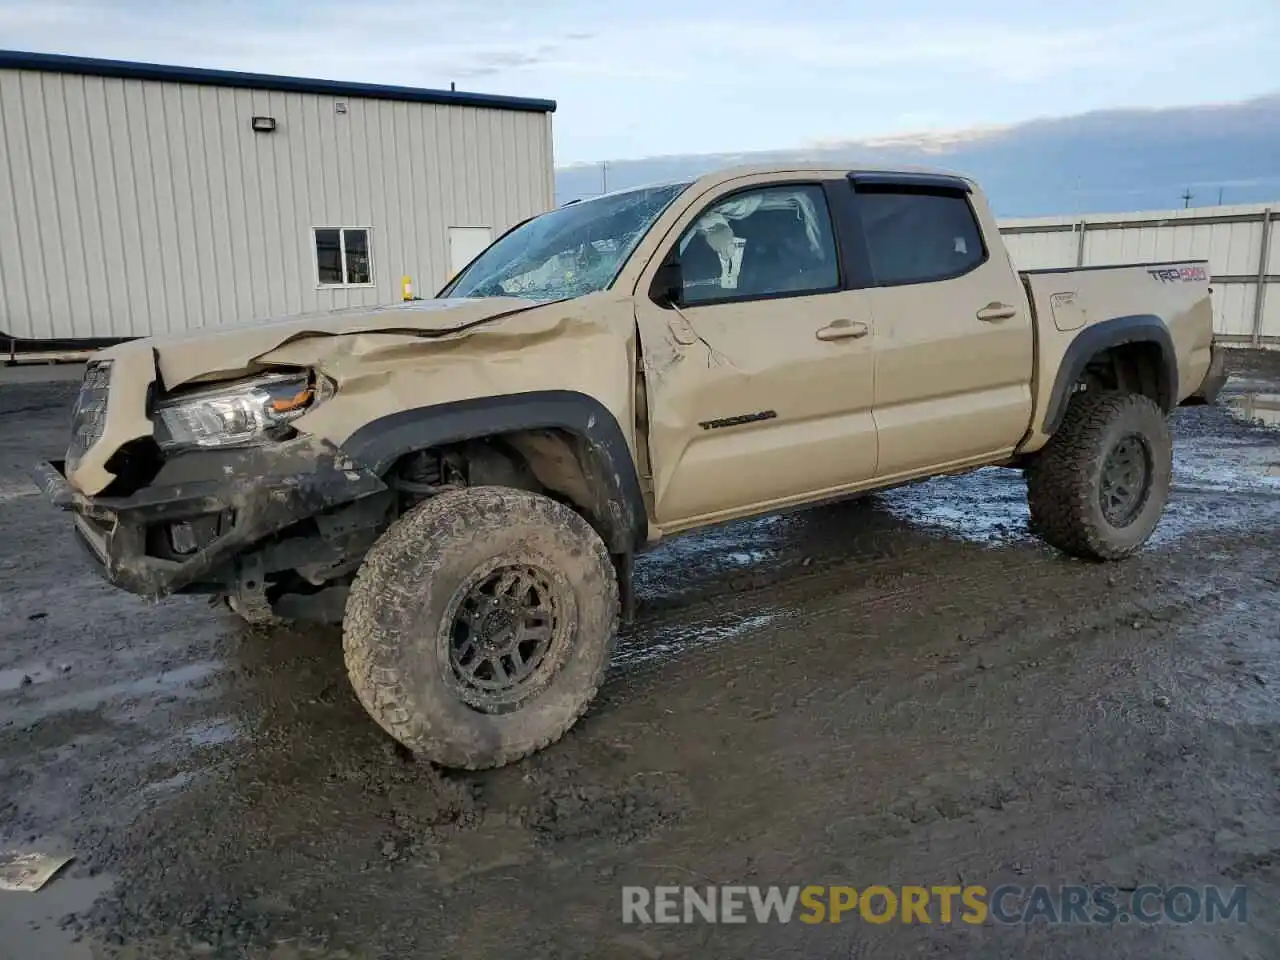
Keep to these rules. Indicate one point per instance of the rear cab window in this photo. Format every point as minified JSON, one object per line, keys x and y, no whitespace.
{"x":918,"y":234}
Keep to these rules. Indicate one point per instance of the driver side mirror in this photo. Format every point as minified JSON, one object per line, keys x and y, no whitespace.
{"x":667,"y":289}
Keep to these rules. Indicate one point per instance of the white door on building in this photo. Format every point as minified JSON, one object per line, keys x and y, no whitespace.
{"x":465,"y":244}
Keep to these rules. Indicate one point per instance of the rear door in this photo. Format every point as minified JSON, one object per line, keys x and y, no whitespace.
{"x":954,"y":337}
{"x":759,"y":385}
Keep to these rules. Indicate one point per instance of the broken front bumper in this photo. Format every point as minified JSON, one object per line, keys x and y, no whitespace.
{"x":185,"y":529}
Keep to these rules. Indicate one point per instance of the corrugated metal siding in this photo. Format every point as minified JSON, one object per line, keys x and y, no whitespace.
{"x":1040,"y":251}
{"x":1231,"y":238}
{"x":1230,"y":248}
{"x":131,"y":207}
{"x":1233,"y":309}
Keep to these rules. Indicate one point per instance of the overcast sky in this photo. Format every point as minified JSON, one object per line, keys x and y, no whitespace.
{"x":692,"y":76}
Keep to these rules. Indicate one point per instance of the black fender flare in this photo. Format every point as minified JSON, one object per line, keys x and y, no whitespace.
{"x":1094,"y":339}
{"x":380,"y":443}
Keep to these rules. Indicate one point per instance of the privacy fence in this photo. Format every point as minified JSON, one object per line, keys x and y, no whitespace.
{"x":1236,"y":240}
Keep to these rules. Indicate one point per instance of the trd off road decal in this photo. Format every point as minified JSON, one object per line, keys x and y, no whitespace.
{"x":1179,"y":274}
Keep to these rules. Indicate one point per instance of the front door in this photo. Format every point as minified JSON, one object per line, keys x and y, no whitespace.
{"x":760,"y":384}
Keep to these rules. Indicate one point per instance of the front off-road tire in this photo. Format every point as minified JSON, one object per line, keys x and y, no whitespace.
{"x":1099,"y":486}
{"x":435,"y":619}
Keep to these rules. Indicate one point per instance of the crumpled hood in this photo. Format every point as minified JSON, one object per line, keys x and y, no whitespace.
{"x":217,"y":352}
{"x":383,"y":361}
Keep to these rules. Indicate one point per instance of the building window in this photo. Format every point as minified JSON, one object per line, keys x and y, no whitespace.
{"x":342,"y":257}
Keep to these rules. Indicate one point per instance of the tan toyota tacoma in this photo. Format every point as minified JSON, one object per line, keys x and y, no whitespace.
{"x":465,"y":481}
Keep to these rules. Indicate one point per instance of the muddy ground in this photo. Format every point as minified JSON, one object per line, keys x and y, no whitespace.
{"x":901,"y":690}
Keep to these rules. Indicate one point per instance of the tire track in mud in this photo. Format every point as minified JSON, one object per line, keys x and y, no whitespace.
{"x":1081,"y":746}
{"x":1023,"y":600}
{"x":780,"y":597}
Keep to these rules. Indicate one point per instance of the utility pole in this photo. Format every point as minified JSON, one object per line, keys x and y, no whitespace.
{"x":1219,"y":196}
{"x":604,"y":177}
{"x":1186,"y":197}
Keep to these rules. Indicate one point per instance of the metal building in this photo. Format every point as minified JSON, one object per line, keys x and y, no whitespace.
{"x":1244,"y":263}
{"x":139,"y":199}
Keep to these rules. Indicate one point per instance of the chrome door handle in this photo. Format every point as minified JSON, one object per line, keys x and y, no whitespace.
{"x":843,"y":330}
{"x":995,"y":310}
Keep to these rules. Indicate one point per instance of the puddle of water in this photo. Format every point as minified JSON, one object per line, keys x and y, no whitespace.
{"x":1226,"y":466}
{"x":176,"y":782}
{"x":747,"y":558}
{"x":736,"y":547}
{"x":30,"y":921}
{"x":746,"y":541}
{"x":1258,"y":407}
{"x":668,"y":643}
{"x":987,"y":506}
{"x":211,"y":733}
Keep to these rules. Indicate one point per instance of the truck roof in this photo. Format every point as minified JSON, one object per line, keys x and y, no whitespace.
{"x":840,"y":169}
{"x":721,"y":175}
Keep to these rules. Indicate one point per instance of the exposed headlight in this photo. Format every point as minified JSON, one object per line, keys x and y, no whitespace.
{"x":237,"y":414}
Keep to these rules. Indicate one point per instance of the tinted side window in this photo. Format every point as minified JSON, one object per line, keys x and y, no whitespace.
{"x":914,"y":237}
{"x":775,"y":241}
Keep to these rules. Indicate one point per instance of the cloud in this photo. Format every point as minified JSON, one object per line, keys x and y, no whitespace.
{"x":503,"y":37}
{"x":1104,"y":161}
{"x":645,"y":76}
{"x":323,"y":39}
{"x":488,"y":62}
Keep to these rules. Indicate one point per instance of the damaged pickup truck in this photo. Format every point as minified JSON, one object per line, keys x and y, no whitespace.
{"x":464,"y":482}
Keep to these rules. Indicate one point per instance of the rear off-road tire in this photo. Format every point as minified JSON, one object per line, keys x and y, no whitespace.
{"x":1098,"y":488}
{"x":434,"y":623}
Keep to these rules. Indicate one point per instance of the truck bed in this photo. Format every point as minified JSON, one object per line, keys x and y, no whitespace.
{"x":1066,"y":302}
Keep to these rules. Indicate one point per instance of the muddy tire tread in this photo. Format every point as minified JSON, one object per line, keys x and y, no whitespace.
{"x":444,"y":521}
{"x":1059,"y":486}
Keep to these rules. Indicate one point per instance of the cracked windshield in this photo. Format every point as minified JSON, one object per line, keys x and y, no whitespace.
{"x":569,"y":252}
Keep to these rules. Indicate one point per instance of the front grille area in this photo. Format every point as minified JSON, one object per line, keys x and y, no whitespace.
{"x":90,"y":413}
